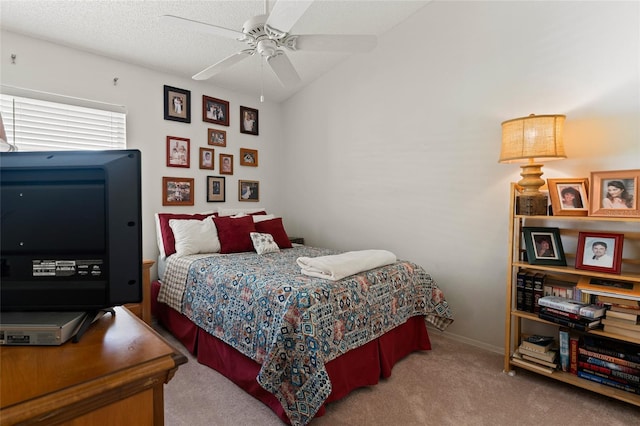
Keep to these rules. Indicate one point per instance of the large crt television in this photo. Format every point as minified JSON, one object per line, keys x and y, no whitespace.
{"x":71,"y":231}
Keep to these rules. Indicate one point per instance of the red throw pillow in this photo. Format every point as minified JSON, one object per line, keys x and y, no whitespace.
{"x":234,"y":233}
{"x":168,"y":239}
{"x":276,"y":229}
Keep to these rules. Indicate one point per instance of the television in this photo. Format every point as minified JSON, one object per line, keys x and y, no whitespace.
{"x":71,"y":230}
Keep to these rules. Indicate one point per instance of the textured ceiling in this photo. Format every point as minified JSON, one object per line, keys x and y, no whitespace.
{"x":131,"y":31}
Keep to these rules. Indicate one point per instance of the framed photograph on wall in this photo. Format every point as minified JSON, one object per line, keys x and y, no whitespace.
{"x":217,"y":137}
{"x":178,"y":153}
{"x":177,"y":191}
{"x":206,"y":158}
{"x":226,"y":164}
{"x":569,"y":197}
{"x":615,"y":193}
{"x":215,"y":111}
{"x":248,"y":190}
{"x":248,"y":120}
{"x":599,"y":251}
{"x":177,"y":104}
{"x":544,"y":246}
{"x":215,"y":189}
{"x":249,"y":157}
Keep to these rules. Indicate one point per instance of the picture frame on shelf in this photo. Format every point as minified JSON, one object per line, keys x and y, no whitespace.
{"x":217,"y":137}
{"x":249,"y":120}
{"x":615,"y":193}
{"x":249,"y":157}
{"x":600,"y":251}
{"x":177,"y":104}
{"x":569,"y":197}
{"x":544,"y":246}
{"x":215,"y":110}
{"x":177,"y":191}
{"x":248,"y":190}
{"x":216,"y":189}
{"x":206,"y":158}
{"x":178,"y":152}
{"x":226,"y":164}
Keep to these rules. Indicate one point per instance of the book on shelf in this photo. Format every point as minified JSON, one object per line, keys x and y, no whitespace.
{"x":517,"y":360}
{"x":538,"y":343}
{"x":561,"y":304}
{"x":623,"y":316}
{"x":553,"y":365}
{"x":560,"y":313}
{"x":549,"y":356}
{"x":520,"y":290}
{"x":632,"y":379}
{"x":593,"y":311}
{"x":635,"y":334}
{"x":608,"y":382}
{"x":574,"y":342}
{"x":563,"y":348}
{"x":528,"y":292}
{"x":579,"y":324}
{"x":617,"y":322}
{"x":606,"y":286}
{"x":633,"y":310}
{"x":538,"y":290}
{"x":613,"y":348}
{"x":608,"y":358}
{"x":619,"y":300}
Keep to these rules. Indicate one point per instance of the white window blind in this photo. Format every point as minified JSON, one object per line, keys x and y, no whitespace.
{"x":43,"y":125}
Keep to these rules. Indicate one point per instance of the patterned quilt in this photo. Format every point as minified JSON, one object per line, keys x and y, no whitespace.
{"x":293,"y":324}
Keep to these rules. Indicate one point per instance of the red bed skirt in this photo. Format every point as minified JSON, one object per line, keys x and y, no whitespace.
{"x":359,"y":367}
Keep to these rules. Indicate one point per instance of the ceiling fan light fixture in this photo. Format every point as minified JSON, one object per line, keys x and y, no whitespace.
{"x":267,"y":47}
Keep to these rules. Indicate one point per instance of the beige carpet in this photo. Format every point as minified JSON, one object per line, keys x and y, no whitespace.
{"x":453,"y":384}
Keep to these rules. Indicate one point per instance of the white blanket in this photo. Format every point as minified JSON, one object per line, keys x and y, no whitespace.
{"x":337,"y":266}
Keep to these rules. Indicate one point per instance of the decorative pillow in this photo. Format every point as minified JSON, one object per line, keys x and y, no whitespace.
{"x":234,"y":233}
{"x":262,"y":217}
{"x":194,"y":236}
{"x":263,"y":243}
{"x":275,"y":228}
{"x":239,"y":211}
{"x":164,"y":233}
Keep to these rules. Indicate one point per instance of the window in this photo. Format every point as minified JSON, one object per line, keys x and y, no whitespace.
{"x":50,"y":125}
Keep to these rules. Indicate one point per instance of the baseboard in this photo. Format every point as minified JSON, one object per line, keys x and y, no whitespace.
{"x":472,"y":342}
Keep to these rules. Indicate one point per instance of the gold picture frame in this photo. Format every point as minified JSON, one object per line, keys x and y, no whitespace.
{"x":569,"y":197}
{"x":615,"y":193}
{"x":249,"y":157}
{"x":177,"y":191}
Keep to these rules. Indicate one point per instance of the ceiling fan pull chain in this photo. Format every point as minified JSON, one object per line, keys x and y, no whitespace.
{"x":262,"y":78}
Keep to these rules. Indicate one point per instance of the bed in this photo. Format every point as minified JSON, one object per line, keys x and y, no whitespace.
{"x":296,"y":342}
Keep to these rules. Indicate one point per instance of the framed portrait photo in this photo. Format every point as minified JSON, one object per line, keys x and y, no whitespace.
{"x":178,"y":152}
{"x":215,"y":189}
{"x":216,"y":137}
{"x":569,"y":197}
{"x":248,"y":190}
{"x":215,"y":111}
{"x":615,"y":193}
{"x":248,"y":120}
{"x":599,"y":251}
{"x":226,"y":164}
{"x":206,"y":158}
{"x":249,"y":157}
{"x":177,"y":104}
{"x":544,"y":246}
{"x":177,"y":191}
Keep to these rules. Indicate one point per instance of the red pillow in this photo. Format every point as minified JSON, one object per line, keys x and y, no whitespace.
{"x":168,"y":239}
{"x":234,"y":233}
{"x":276,"y":229}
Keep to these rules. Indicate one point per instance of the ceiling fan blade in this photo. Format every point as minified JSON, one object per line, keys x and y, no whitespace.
{"x":282,"y":67}
{"x":222,"y":65}
{"x":336,"y":43}
{"x":191,"y":25}
{"x":285,"y":14}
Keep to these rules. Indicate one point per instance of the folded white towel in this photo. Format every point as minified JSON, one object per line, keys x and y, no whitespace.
{"x":337,"y":266}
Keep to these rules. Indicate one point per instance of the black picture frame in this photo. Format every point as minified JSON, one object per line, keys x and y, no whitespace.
{"x":249,"y":121}
{"x":177,"y":104}
{"x":216,"y":191}
{"x":248,"y":190}
{"x":215,"y":110}
{"x":544,"y":246}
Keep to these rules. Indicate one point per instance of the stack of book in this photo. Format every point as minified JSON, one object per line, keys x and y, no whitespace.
{"x":571,"y":313}
{"x":611,"y":363}
{"x":623,"y":318}
{"x":537,"y":352}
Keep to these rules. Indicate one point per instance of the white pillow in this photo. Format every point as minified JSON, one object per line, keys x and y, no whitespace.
{"x":263,"y":243}
{"x":262,"y":217}
{"x":195,"y":236}
{"x":237,"y":211}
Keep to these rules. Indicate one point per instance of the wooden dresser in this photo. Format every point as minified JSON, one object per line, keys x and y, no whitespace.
{"x":143,"y":309}
{"x":113,"y":376}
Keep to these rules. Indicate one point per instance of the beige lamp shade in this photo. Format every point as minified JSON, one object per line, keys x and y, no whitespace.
{"x":536,"y":137}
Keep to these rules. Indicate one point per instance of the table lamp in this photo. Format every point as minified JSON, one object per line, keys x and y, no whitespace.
{"x":532,"y":139}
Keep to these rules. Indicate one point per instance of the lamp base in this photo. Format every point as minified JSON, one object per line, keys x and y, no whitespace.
{"x":531,"y":204}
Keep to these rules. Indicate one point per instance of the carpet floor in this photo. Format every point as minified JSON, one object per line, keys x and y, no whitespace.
{"x":453,"y":384}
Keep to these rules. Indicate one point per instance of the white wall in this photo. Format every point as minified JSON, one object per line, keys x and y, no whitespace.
{"x":52,"y":68}
{"x":398,"y":149}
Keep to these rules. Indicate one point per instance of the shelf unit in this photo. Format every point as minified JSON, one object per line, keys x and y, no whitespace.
{"x":569,"y":227}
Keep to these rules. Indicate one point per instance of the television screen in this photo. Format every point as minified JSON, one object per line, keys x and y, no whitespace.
{"x":71,"y":231}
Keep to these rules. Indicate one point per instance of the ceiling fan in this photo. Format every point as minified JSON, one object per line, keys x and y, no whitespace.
{"x":268,"y":35}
